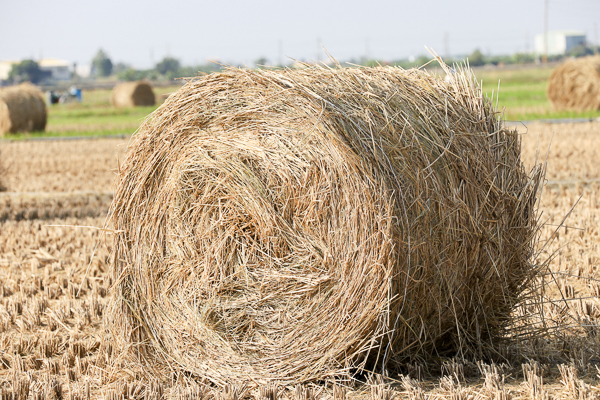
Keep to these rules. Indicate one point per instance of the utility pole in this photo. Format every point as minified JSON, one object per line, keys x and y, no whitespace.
{"x":367,"y":48}
{"x":545,"y":44}
{"x":74,"y":77}
{"x":446,"y":45}
{"x":280,"y":53}
{"x":596,"y":44}
{"x":526,"y":42}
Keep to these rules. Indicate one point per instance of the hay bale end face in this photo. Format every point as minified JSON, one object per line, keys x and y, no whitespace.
{"x":575,"y":85}
{"x":22,"y":109}
{"x":133,"y":94}
{"x":293,"y":226}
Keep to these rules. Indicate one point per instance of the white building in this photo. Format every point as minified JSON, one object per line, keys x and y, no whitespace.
{"x":5,"y":67}
{"x":559,"y":42}
{"x":59,"y":69}
{"x":83,"y":71}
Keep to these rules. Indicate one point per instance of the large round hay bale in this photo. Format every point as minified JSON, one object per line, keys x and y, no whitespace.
{"x":299,"y":225}
{"x":575,"y":85}
{"x":22,"y":109}
{"x":133,"y":94}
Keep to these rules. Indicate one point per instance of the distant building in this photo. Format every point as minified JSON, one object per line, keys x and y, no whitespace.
{"x":5,"y":67}
{"x":559,"y":42}
{"x":59,"y":69}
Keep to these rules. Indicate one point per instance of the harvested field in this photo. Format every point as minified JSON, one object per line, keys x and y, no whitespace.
{"x":61,"y":166}
{"x":571,"y":150}
{"x":52,"y":341}
{"x":51,"y":205}
{"x":49,"y":324}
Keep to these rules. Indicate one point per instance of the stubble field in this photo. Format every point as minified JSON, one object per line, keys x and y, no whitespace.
{"x":54,"y":286}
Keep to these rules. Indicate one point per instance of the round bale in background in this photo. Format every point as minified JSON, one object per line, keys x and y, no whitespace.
{"x":575,"y":85}
{"x":22,"y":109}
{"x":300,"y":225}
{"x":133,"y":94}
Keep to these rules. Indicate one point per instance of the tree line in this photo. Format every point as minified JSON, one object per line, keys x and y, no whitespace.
{"x":169,"y":68}
{"x":102,"y":67}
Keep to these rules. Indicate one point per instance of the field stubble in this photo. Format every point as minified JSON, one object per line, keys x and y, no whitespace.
{"x":54,"y":283}
{"x":61,"y":166}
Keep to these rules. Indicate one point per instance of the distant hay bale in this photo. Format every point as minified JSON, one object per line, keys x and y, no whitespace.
{"x":132,"y":94}
{"x":293,"y":226}
{"x":22,"y":109}
{"x":575,"y":85}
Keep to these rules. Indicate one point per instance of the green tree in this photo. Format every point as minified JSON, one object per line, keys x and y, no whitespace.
{"x":260,"y":62}
{"x":27,"y":71}
{"x":129,"y":75}
{"x":370,"y":63}
{"x":168,"y":66}
{"x":422,"y":60}
{"x":120,"y":67}
{"x":476,"y":58}
{"x":101,"y":64}
{"x":580,"y":51}
{"x":522,"y":58}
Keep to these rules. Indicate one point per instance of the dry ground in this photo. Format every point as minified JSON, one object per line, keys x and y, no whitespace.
{"x":54,"y":284}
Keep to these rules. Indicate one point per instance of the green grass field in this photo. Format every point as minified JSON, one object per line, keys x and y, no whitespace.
{"x":522,"y":95}
{"x":95,"y":116}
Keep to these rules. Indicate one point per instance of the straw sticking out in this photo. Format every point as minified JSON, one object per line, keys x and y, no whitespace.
{"x":297,"y":225}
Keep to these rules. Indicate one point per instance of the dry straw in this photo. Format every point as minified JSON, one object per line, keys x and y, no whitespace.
{"x":575,"y":85}
{"x":22,"y":109}
{"x":3,"y":187}
{"x":297,"y":225}
{"x":132,"y":94}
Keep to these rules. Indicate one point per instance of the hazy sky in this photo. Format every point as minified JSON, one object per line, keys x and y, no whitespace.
{"x":141,"y":33}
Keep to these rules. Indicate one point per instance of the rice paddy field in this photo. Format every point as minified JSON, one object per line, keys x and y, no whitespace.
{"x":55,"y":282}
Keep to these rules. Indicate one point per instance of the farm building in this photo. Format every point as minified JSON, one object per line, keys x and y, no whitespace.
{"x":559,"y":42}
{"x":59,"y":69}
{"x":83,"y":71}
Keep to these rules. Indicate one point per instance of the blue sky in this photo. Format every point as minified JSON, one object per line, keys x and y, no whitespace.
{"x":239,"y":32}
